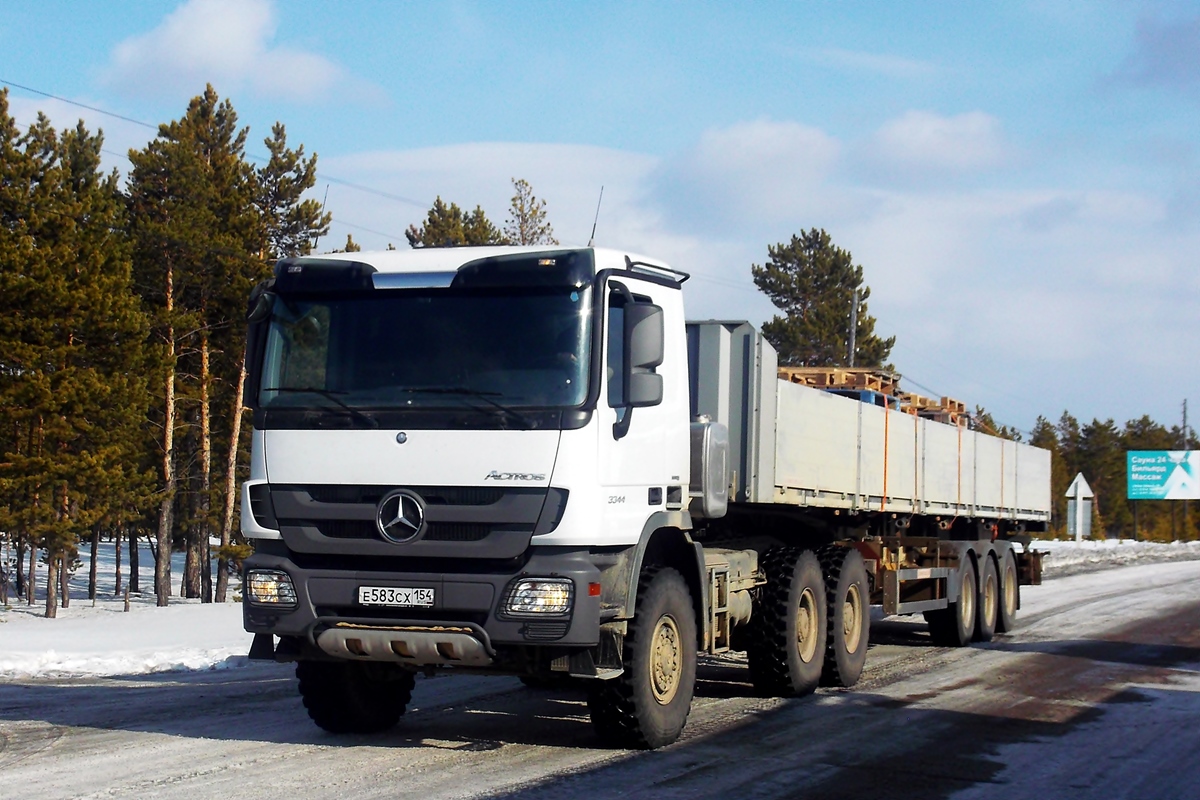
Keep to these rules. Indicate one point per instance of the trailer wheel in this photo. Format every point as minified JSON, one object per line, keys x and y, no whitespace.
{"x":648,"y":705}
{"x":848,"y":596}
{"x":954,"y":625}
{"x":354,"y":697}
{"x":788,"y":629}
{"x":988,"y":608}
{"x":1010,"y":595}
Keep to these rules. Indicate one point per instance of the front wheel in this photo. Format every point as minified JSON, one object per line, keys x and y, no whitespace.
{"x":647,"y":706}
{"x":353,"y":696}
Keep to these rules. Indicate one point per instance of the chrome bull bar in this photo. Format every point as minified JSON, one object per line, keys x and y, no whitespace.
{"x":438,"y":645}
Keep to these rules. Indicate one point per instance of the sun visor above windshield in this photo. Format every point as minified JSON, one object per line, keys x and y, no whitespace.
{"x":566,"y":268}
{"x":322,"y":275}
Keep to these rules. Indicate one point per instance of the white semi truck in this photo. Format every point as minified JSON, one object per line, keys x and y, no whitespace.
{"x":525,"y":461}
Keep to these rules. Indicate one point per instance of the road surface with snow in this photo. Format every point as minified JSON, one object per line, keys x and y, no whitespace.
{"x":1096,"y":695}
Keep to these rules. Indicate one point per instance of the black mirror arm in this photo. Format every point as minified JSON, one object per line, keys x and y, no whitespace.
{"x":621,"y":426}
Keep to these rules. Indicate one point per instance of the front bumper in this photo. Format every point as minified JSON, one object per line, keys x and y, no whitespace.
{"x":467,"y":604}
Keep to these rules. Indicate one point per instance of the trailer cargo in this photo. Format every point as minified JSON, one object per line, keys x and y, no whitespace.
{"x":525,"y":461}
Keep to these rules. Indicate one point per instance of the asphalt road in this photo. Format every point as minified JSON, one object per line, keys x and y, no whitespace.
{"x":1097,"y":695}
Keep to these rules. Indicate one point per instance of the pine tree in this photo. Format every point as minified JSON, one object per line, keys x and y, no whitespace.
{"x":72,"y":336}
{"x":447,"y":226}
{"x":813,"y":282}
{"x":289,"y":225}
{"x":198,"y":237}
{"x":527,"y":223}
{"x":350,"y":246}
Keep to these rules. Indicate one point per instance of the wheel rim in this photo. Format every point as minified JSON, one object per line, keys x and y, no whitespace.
{"x":806,"y":626}
{"x":966,"y":602}
{"x":666,"y":660}
{"x":989,"y":597}
{"x":1010,"y":591}
{"x":852,"y":617}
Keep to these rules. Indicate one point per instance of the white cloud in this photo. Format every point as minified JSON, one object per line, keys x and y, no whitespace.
{"x":922,"y":143}
{"x":879,"y":63}
{"x":225,"y":42}
{"x":752,"y":173}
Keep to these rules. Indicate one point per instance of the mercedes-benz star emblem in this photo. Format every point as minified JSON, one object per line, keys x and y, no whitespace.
{"x":400,"y":516}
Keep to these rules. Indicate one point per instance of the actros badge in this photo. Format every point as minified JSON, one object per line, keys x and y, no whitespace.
{"x":400,"y":516}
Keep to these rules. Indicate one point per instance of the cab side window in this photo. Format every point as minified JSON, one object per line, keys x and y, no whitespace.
{"x":616,"y":350}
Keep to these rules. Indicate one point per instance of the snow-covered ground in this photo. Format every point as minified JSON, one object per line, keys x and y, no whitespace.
{"x":1068,"y":558}
{"x":102,"y":639}
{"x":87,"y":640}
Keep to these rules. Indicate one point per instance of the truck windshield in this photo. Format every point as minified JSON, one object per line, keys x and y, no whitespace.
{"x":429,"y":348}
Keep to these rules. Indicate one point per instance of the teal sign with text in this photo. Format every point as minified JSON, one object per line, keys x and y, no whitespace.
{"x":1164,"y":474}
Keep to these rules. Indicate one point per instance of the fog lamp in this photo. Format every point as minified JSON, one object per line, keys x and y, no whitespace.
{"x":270,"y":587}
{"x":539,"y":596}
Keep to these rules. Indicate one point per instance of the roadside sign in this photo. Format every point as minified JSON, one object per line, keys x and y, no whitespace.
{"x":1079,"y":509}
{"x":1163,"y":474}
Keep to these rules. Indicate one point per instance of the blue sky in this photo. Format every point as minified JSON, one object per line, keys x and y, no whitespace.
{"x":1020,"y":180}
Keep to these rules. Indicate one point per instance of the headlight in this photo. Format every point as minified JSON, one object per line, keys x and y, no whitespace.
{"x":270,"y":587}
{"x":539,"y":596}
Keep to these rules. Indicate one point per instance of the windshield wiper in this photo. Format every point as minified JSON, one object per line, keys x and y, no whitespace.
{"x":330,"y":395}
{"x":484,"y":396}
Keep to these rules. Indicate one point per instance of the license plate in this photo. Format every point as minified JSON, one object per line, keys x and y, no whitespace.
{"x":403,"y":597}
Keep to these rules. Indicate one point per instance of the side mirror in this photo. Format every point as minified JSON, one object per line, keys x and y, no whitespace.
{"x":645,"y":389}
{"x":258,"y":311}
{"x":644,"y":352}
{"x":643,"y":335}
{"x":262,"y":300}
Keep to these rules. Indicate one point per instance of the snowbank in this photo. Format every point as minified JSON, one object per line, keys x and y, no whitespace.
{"x":87,"y":641}
{"x":1068,"y":558}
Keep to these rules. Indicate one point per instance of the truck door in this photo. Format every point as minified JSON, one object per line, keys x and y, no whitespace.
{"x":633,"y":440}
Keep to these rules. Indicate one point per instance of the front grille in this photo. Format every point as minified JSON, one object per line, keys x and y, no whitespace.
{"x":432,"y":495}
{"x":365,"y":529}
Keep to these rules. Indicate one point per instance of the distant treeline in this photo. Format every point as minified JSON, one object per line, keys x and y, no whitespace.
{"x":1098,"y":450}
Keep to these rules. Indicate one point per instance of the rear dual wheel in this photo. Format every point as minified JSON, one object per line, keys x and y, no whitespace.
{"x":954,"y":626}
{"x":787,"y":632}
{"x":989,"y":601}
{"x":1010,"y":595}
{"x":848,"y":599}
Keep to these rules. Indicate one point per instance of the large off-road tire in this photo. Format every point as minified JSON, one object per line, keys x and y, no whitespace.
{"x":987,"y":610}
{"x":954,"y":626}
{"x":648,"y":705}
{"x":1010,"y":594}
{"x":786,"y":646}
{"x":848,"y":610}
{"x":352,"y":696}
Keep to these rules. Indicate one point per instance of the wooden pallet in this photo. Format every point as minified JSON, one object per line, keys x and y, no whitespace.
{"x":955,"y":406}
{"x":864,"y":378}
{"x":916,"y":401}
{"x":955,"y":418}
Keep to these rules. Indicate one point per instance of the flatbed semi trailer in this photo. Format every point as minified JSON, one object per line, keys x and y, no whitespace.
{"x":525,"y":461}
